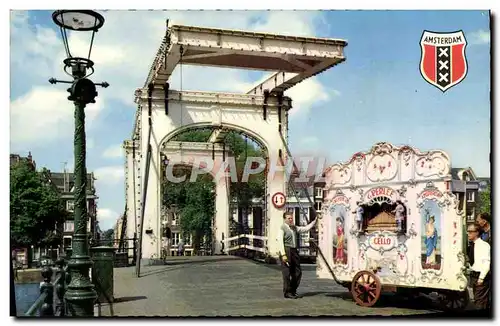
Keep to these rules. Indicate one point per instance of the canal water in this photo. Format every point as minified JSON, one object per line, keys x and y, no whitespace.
{"x":26,"y":295}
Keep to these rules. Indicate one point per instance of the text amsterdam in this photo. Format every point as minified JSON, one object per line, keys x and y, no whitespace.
{"x":443,"y":40}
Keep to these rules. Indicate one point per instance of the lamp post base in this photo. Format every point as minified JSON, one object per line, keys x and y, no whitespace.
{"x":80,"y":296}
{"x":80,"y":302}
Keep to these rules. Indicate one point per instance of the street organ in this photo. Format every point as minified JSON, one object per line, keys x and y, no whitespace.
{"x":391,"y":223}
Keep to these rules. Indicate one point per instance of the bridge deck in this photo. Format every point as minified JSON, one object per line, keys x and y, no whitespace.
{"x":231,"y":286}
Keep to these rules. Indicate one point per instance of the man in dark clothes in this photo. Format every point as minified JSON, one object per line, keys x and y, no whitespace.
{"x":484,"y":221}
{"x":480,"y":276}
{"x":290,"y":259}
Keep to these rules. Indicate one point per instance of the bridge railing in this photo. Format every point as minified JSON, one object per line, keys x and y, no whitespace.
{"x":47,"y":304}
{"x":252,"y":239}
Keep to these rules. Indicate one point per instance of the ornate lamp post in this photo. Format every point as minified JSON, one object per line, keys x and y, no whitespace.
{"x":80,"y":294}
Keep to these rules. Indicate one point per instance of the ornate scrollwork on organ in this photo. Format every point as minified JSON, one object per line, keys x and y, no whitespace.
{"x":435,"y":163}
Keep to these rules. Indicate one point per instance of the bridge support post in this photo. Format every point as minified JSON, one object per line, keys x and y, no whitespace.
{"x":221,"y":216}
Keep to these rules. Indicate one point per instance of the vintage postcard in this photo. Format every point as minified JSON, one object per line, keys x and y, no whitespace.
{"x":250,"y":163}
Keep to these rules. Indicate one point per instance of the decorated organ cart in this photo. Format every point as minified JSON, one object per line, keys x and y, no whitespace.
{"x":391,"y":223}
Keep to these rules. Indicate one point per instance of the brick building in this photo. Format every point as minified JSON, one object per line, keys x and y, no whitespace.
{"x":466,"y":187}
{"x":16,"y":158}
{"x":64,"y":183}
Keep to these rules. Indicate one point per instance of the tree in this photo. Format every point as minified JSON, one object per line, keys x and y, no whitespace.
{"x":107,"y":237}
{"x":35,"y":208}
{"x":198,"y":211}
{"x":484,"y":205}
{"x":196,"y":201}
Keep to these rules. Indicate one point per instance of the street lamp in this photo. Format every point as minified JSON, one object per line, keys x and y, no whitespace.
{"x":80,"y":294}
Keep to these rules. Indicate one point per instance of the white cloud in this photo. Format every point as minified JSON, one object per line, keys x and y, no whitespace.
{"x":109,"y":174}
{"x":479,"y":37}
{"x":43,"y":115}
{"x":113,"y":151}
{"x":309,"y":92}
{"x":107,"y":218}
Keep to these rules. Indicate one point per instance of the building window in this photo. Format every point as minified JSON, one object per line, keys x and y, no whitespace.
{"x":90,"y":207}
{"x":470,"y":196}
{"x":319,"y":193}
{"x":174,"y":218}
{"x":67,"y":242}
{"x":70,"y":206}
{"x":189,"y":240}
{"x":175,"y":238}
{"x":317,"y":206}
{"x":69,"y":226}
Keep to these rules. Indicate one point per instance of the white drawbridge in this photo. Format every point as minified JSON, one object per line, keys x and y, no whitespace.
{"x":261,"y":113}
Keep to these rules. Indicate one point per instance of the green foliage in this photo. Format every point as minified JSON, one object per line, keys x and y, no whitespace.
{"x":198,"y":207}
{"x":35,"y":208}
{"x":194,"y":136}
{"x":244,"y":192}
{"x":484,"y":205}
{"x":107,"y":238}
{"x":196,"y":200}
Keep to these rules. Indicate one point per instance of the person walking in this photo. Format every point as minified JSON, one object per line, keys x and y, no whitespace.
{"x":480,"y":259}
{"x":289,"y":255}
{"x":180,"y":248}
{"x":484,"y":221}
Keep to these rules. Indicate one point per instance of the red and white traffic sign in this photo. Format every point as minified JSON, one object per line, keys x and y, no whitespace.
{"x":279,"y":200}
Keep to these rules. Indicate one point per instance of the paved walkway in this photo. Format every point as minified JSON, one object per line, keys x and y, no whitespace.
{"x":232,"y":286}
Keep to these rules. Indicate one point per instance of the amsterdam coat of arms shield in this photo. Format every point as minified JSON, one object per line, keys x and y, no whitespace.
{"x":443,"y":63}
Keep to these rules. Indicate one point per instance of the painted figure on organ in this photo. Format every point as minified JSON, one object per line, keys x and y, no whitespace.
{"x":431,"y":241}
{"x":400,"y":215}
{"x":359,"y":216}
{"x":339,"y":253}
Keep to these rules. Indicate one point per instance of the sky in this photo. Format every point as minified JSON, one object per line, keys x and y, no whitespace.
{"x":377,"y":94}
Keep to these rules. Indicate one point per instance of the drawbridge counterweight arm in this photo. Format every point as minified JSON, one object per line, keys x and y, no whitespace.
{"x":302,"y":211}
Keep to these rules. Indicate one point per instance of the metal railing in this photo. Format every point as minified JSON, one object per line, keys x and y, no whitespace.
{"x":123,"y":246}
{"x":246,"y":239}
{"x":47,"y":304}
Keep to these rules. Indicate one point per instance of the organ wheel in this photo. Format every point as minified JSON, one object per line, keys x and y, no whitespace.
{"x":454,"y":300}
{"x":366,"y":288}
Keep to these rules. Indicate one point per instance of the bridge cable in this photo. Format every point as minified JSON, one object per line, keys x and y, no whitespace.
{"x":134,"y":207}
{"x":146,"y":179}
{"x":245,"y":224}
{"x":134,"y":161}
{"x":121,"y":240}
{"x":181,"y":49}
{"x":166,"y":86}
{"x":302,"y":211}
